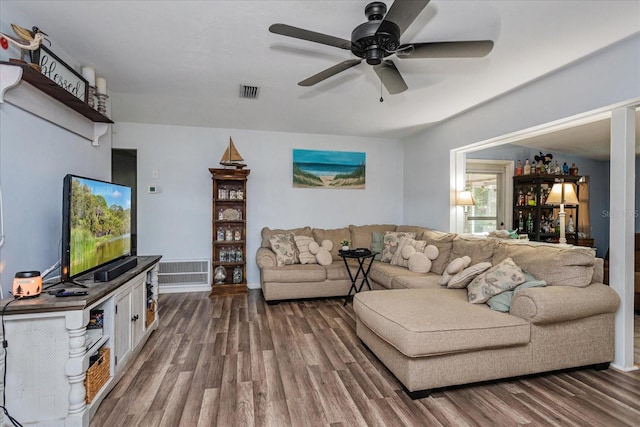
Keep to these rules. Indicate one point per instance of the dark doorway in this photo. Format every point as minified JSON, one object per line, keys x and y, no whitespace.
{"x":124,"y":171}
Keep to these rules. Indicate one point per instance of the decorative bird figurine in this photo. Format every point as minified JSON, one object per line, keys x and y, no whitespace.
{"x":29,"y":41}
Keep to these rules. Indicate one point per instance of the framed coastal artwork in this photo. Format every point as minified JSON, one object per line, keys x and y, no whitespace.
{"x":328,"y":169}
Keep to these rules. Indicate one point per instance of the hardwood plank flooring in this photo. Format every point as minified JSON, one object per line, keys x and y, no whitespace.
{"x":236,"y":361}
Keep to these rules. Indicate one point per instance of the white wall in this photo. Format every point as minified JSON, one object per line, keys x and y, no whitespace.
{"x":584,"y":86}
{"x":35,"y":155}
{"x":176,"y":222}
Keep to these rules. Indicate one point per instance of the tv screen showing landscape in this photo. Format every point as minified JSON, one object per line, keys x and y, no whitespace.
{"x":97,"y":227}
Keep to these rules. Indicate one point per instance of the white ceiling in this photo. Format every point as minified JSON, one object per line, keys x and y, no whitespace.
{"x":182,"y":62}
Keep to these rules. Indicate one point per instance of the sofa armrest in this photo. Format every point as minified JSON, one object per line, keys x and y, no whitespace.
{"x":561,"y":303}
{"x":265,"y":257}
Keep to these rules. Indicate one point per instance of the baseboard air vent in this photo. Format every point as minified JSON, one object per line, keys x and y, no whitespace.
{"x":184,"y":276}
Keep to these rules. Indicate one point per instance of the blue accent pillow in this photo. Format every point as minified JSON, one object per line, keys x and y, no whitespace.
{"x":502,"y":301}
{"x":377,"y":244}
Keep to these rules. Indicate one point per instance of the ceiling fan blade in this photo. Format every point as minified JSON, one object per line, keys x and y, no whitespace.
{"x":466,"y":49}
{"x":331,"y":71}
{"x":403,"y":13}
{"x":312,"y":36}
{"x":390,"y":77}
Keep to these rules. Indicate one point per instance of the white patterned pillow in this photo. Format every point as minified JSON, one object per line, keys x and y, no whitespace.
{"x":462,"y":279}
{"x":391,"y":242}
{"x":302,"y":243}
{"x":398,"y":259}
{"x":499,"y":278}
{"x":284,"y":246}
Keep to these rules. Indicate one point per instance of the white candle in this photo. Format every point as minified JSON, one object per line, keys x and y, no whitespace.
{"x":101,"y":86}
{"x":90,"y":75}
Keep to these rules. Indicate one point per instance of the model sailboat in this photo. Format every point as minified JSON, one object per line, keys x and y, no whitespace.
{"x":231,"y":157}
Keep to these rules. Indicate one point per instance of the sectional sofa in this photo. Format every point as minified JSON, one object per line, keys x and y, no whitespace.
{"x":430,"y":336}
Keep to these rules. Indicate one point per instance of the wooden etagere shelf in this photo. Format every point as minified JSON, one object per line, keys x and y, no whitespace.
{"x":229,"y":228}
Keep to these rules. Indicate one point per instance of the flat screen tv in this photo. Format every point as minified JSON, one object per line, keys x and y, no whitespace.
{"x":96,"y":225}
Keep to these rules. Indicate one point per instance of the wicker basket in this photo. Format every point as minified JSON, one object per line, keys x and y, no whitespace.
{"x":97,"y":374}
{"x":151,"y":313}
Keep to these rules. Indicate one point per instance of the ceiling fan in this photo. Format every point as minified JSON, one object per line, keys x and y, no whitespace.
{"x":379,"y":38}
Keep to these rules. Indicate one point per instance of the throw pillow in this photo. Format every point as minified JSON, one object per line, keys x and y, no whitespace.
{"x":377,"y":244}
{"x":322,"y":252}
{"x":398,"y":259}
{"x":502,"y":302}
{"x":462,"y":279}
{"x":499,"y":278}
{"x":302,"y":243}
{"x":391,"y":242}
{"x":454,"y":267}
{"x":419,"y":262}
{"x":284,"y":246}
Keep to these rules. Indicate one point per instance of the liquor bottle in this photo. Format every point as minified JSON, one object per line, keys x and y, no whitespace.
{"x":520,"y":221}
{"x":518,"y":168}
{"x":529,"y":224}
{"x":565,"y":169}
{"x":538,"y":166}
{"x":556,"y":168}
{"x":527,"y":168}
{"x":570,"y":226}
{"x":520,"y":197}
{"x":573,"y":170}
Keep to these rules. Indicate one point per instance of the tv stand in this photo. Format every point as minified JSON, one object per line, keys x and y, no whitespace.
{"x":53,"y":337}
{"x":115,"y":269}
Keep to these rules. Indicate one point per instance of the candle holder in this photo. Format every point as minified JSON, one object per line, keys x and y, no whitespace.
{"x":92,"y":93}
{"x":102,"y":100}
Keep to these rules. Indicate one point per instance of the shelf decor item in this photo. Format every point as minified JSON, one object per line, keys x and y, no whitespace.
{"x":97,"y":374}
{"x":231,"y":157}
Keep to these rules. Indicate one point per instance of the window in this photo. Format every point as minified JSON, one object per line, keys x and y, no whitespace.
{"x":487,"y":181}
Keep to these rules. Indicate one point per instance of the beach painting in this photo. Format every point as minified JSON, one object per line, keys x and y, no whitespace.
{"x":328,"y":169}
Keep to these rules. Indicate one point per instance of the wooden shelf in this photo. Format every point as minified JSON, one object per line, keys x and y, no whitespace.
{"x":50,"y":87}
{"x":26,"y":98}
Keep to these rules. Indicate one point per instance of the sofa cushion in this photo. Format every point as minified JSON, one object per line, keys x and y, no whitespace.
{"x":284,"y":246}
{"x":411,"y":229}
{"x":556,"y":265}
{"x":267,"y":232}
{"x":336,"y":235}
{"x":302,"y":243}
{"x":361,"y":235}
{"x":499,"y":278}
{"x":449,"y":325}
{"x":391,"y":242}
{"x":398,"y":259}
{"x":383,"y":273}
{"x":444,"y":243}
{"x":415,"y":281}
{"x":466,"y":276}
{"x":337,"y":270}
{"x":295,"y":273}
{"x":479,"y":249}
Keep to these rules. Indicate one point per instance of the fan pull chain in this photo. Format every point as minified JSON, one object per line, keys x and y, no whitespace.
{"x":381,"y":98}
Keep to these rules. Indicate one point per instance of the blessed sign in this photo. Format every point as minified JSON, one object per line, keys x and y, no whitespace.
{"x":64,"y":76}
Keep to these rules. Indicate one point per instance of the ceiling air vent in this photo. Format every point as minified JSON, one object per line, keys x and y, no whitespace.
{"x":250,"y":92}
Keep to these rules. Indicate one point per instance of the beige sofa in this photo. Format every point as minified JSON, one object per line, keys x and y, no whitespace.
{"x":430,"y":336}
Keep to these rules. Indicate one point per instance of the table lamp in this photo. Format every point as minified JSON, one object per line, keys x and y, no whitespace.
{"x":562,"y":193}
{"x":465,"y":198}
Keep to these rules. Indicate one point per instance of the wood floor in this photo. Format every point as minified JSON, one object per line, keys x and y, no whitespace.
{"x":235,"y":361}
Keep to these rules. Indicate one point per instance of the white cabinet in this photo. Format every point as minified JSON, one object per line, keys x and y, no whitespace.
{"x":129,"y":319}
{"x":49,"y":348}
